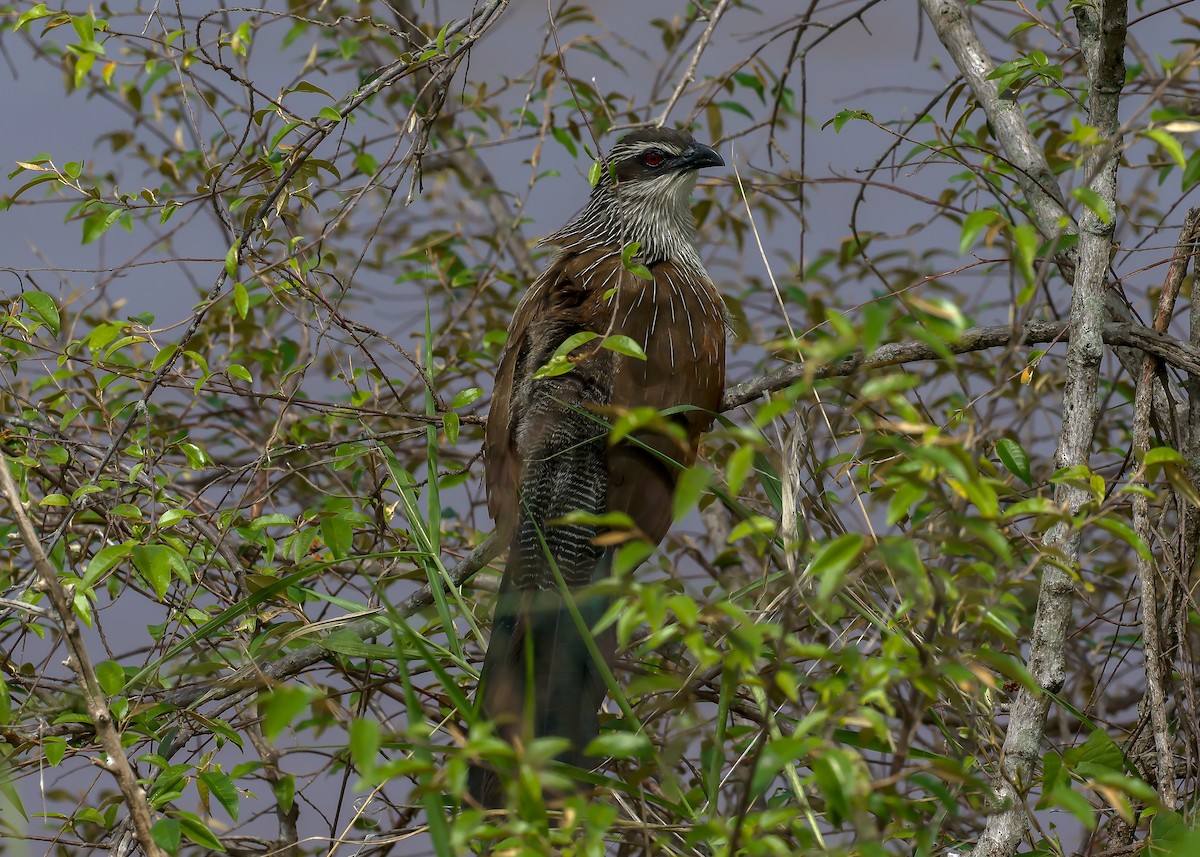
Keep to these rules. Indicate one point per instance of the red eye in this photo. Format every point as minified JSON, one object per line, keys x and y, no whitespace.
{"x":652,"y":159}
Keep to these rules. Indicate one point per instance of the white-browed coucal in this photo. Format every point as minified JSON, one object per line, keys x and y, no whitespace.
{"x":547,"y":449}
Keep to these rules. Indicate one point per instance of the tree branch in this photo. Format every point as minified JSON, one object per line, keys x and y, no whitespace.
{"x":80,"y":662}
{"x":1102,"y":31}
{"x":1148,"y":573}
{"x":1174,"y":352}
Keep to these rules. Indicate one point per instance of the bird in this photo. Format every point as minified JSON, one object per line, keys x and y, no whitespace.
{"x":626,"y":265}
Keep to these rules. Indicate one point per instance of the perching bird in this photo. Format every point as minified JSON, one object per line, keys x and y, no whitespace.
{"x":547,"y":450}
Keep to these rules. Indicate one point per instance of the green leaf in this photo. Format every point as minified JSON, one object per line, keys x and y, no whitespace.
{"x":451,"y":422}
{"x":831,"y":563}
{"x":629,"y":261}
{"x":975,"y":223}
{"x":1093,"y":203}
{"x":623,"y":345}
{"x":621,"y":745}
{"x":241,"y":299}
{"x":836,"y":776}
{"x":1125,"y":532}
{"x":754,"y":525}
{"x":153,"y":563}
{"x":231,"y":258}
{"x":574,"y":341}
{"x":689,"y":489}
{"x":465,"y":397}
{"x":1169,"y":143}
{"x":1161,"y":455}
{"x":44,"y":308}
{"x":1013,"y":456}
{"x":105,"y":559}
{"x":338,"y":535}
{"x":330,"y":113}
{"x":364,"y":743}
{"x":1025,"y":237}
{"x":111,"y":677}
{"x":843,"y":116}
{"x":223,"y":789}
{"x":38,"y":11}
{"x":95,"y":225}
{"x":55,"y":749}
{"x":167,"y":834}
{"x":197,"y":831}
{"x":285,"y":792}
{"x":281,"y":705}
{"x":595,"y":171}
{"x":305,"y":86}
{"x":778,"y":753}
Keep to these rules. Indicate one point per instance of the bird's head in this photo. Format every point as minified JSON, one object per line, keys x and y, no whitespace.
{"x":644,"y":194}
{"x":652,"y":155}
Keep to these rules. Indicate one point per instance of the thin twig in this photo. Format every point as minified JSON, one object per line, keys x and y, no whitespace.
{"x":690,"y":75}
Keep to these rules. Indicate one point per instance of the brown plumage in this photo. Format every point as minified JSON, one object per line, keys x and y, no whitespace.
{"x":546,"y":448}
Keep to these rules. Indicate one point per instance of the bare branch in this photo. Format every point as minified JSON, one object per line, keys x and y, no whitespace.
{"x":690,"y":74}
{"x":80,"y":662}
{"x":1103,"y":35}
{"x":1148,"y":572}
{"x":1168,"y":349}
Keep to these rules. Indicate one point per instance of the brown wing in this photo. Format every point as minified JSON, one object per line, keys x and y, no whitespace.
{"x":502,"y":464}
{"x":562,"y":301}
{"x":678,"y":319}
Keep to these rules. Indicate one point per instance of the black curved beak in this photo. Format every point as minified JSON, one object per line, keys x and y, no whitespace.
{"x":697,"y":156}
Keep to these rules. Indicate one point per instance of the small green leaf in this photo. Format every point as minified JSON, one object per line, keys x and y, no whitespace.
{"x":574,"y":341}
{"x":1093,"y":202}
{"x":465,"y":397}
{"x":105,"y":559}
{"x":1125,"y":532}
{"x":167,"y":834}
{"x":832,"y":562}
{"x":197,"y":831}
{"x":621,"y":745}
{"x":624,"y":345}
{"x":153,"y":563}
{"x":111,"y":677}
{"x":752,"y":526}
{"x":364,"y":743}
{"x":43,"y":307}
{"x":231,"y":258}
{"x":975,"y":223}
{"x":241,"y":299}
{"x":223,"y":789}
{"x":689,"y":489}
{"x":1013,"y":456}
{"x":1169,"y":143}
{"x":330,"y":113}
{"x":55,"y":748}
{"x":839,"y":121}
{"x":281,"y":706}
{"x":629,"y":261}
{"x":38,"y":11}
{"x":595,"y":172}
{"x":1161,"y":455}
{"x":305,"y":86}
{"x":285,"y":792}
{"x":338,"y":535}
